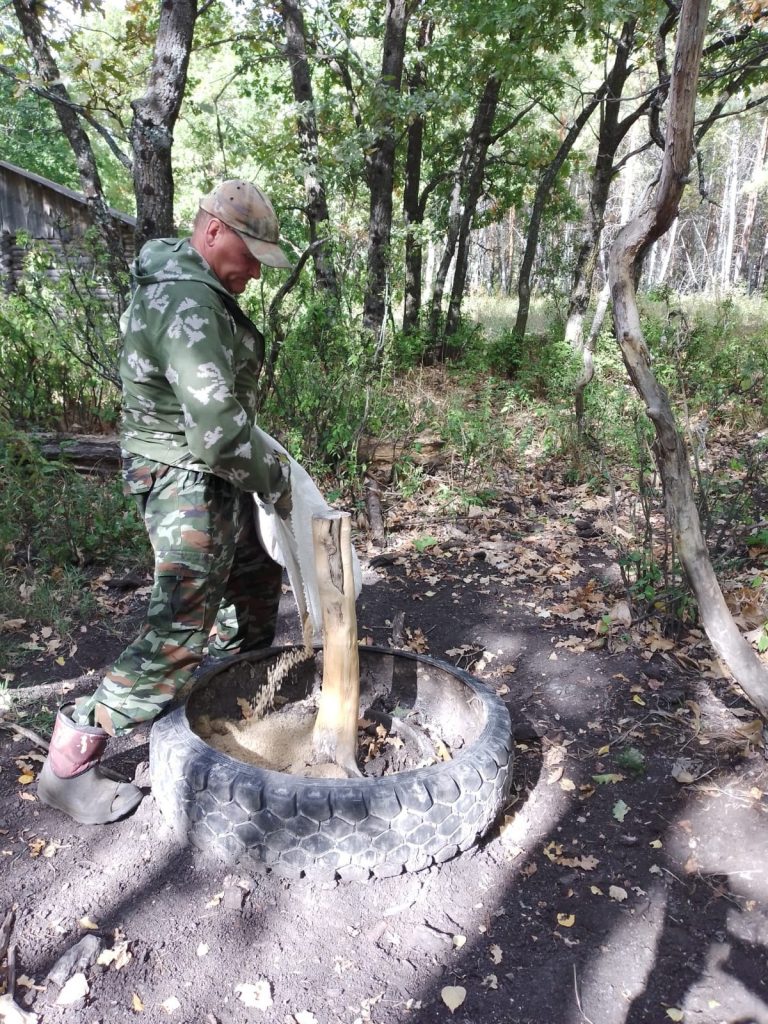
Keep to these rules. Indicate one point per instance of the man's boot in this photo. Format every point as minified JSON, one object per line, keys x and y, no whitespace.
{"x":73,"y":782}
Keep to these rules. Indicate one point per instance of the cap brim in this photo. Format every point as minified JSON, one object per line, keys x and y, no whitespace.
{"x":268,"y":253}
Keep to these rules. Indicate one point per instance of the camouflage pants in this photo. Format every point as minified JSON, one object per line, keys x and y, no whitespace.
{"x":213,"y":583}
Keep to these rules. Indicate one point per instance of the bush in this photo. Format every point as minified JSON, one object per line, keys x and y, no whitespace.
{"x":51,"y":516}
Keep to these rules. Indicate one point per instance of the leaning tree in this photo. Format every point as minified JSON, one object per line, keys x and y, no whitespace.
{"x":632,"y":243}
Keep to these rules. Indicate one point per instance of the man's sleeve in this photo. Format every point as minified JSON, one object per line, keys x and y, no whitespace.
{"x":199,"y":344}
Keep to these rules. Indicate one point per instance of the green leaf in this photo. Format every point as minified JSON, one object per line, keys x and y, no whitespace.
{"x":620,"y":810}
{"x":422,"y":543}
{"x":608,"y":777}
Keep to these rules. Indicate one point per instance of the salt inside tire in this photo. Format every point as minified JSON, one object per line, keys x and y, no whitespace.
{"x":251,"y":817}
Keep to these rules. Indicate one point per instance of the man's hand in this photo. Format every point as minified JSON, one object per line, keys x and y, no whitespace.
{"x":284,"y":504}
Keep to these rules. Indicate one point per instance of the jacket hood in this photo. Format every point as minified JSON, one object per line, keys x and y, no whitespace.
{"x":173,"y":259}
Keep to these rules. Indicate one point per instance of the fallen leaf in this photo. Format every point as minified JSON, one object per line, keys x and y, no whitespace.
{"x":171,"y":1004}
{"x":617,"y":893}
{"x":490,"y":981}
{"x":620,"y":810}
{"x":595,"y":890}
{"x":214,"y":901}
{"x":459,"y":941}
{"x":27,"y":982}
{"x":75,"y":988}
{"x":496,"y":953}
{"x":674,"y":1014}
{"x":453,"y":996}
{"x":258,"y":995}
{"x":136,"y":1003}
{"x":202,"y":949}
{"x":118,"y":956}
{"x":608,"y":777}
{"x":305,"y":1017}
{"x":36,"y":847}
{"x":566,"y":920}
{"x":86,"y":922}
{"x":567,"y":784}
{"x":655,"y":843}
{"x":12,"y":1013}
{"x":25,"y":779}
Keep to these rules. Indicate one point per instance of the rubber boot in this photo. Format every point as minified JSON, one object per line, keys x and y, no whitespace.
{"x":73,"y":782}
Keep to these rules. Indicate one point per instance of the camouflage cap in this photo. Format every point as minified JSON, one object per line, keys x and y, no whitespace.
{"x":243,"y":207}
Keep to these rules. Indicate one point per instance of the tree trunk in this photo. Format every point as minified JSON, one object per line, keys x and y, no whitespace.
{"x":547,"y":180}
{"x":334,"y":737}
{"x":316,"y":207}
{"x":381,"y":167}
{"x":654,"y":220}
{"x":453,"y":228}
{"x":47,"y":69}
{"x":611,"y":135}
{"x":487,"y":113}
{"x":154,"y":118}
{"x":413,"y":209}
{"x":742,"y":254}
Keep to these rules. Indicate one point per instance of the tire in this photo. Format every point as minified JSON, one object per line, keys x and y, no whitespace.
{"x":252,"y":818}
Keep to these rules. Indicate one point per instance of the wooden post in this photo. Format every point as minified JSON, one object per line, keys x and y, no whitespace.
{"x":335,"y":733}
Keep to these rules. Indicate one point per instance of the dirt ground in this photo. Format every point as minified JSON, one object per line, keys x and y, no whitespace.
{"x":626,"y":883}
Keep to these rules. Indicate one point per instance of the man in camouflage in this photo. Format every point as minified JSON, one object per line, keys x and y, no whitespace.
{"x":189,"y":366}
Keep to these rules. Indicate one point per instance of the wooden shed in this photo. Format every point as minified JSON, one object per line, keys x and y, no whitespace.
{"x":45,"y":211}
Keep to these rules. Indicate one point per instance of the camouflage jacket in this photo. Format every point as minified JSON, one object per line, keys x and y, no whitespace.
{"x":189,"y":366}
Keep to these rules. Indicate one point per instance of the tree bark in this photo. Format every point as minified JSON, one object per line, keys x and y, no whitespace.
{"x":334,"y":737}
{"x":316,"y":207}
{"x":487,"y":113}
{"x":381,"y":167}
{"x":653,"y":220}
{"x":453,"y":228}
{"x":610,"y":136}
{"x":413,"y":209}
{"x":154,"y":118}
{"x":47,"y":69}
{"x":742,"y":254}
{"x":547,"y":179}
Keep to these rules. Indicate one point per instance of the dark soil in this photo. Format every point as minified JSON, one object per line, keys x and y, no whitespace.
{"x":610,"y":893}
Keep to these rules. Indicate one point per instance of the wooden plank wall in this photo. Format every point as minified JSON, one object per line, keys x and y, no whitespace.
{"x":46,"y":212}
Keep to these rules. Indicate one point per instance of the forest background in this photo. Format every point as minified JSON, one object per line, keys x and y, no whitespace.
{"x":450,"y":181}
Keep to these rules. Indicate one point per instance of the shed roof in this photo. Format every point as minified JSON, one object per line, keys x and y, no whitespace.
{"x":8,"y":217}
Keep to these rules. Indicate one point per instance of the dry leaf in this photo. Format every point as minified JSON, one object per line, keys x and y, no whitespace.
{"x":171,"y":1004}
{"x":12,"y":1013}
{"x":617,"y":893}
{"x":75,"y":988}
{"x":459,"y":941}
{"x":305,"y":1017}
{"x":136,"y":1003}
{"x":453,"y":996}
{"x":566,"y":920}
{"x":674,"y":1014}
{"x":257,"y":995}
{"x":490,"y":981}
{"x":25,"y":779}
{"x":27,"y":982}
{"x":202,"y":949}
{"x":496,"y":954}
{"x":568,"y":785}
{"x":86,"y":922}
{"x":119,"y":955}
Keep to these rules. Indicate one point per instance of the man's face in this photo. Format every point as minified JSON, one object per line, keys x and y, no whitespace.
{"x":229,"y":258}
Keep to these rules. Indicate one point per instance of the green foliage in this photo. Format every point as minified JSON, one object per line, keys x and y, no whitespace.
{"x":58,"y":345}
{"x":631,"y":759}
{"x":327,"y":388}
{"x":51,"y":517}
{"x":539,"y":366}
